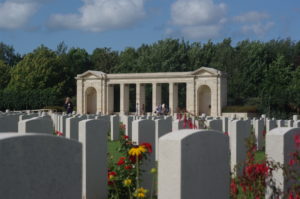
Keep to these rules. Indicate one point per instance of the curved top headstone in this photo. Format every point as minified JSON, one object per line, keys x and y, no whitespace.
{"x":39,"y":166}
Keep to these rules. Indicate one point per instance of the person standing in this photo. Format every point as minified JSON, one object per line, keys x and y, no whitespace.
{"x":68,"y":105}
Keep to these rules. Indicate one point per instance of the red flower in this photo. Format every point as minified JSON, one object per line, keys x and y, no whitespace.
{"x":147,"y":146}
{"x":109,"y":176}
{"x":191,"y":126}
{"x":126,"y":137}
{"x":244,"y":188}
{"x":184,"y":121}
{"x":133,"y":159}
{"x":297,"y":140}
{"x":58,"y":133}
{"x":128,"y":167}
{"x":121,"y":161}
{"x":233,"y":188}
{"x":292,"y":162}
{"x":179,"y":116}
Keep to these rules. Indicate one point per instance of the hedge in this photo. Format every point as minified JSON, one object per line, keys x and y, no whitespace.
{"x":30,"y":99}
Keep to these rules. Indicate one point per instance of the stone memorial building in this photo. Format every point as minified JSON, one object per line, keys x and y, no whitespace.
{"x":206,"y":91}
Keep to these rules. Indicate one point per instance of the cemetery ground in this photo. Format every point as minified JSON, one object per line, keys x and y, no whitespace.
{"x":115,"y":154}
{"x":134,"y":157}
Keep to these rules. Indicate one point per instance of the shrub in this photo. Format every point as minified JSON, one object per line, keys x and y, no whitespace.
{"x":240,"y":109}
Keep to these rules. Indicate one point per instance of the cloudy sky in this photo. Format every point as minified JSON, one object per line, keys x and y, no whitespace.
{"x":26,"y":24}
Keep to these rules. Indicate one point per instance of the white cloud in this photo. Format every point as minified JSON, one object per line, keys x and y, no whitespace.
{"x":101,"y":15}
{"x":198,"y":19}
{"x":196,"y":12}
{"x":259,"y":29}
{"x":252,"y":16}
{"x":16,"y":13}
{"x":254,"y":23}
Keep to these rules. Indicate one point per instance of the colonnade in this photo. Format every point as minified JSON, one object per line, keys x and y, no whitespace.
{"x":140,"y":101}
{"x":206,"y":91}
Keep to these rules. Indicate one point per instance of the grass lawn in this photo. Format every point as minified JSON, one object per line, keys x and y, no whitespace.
{"x":113,"y":147}
{"x":260,"y":156}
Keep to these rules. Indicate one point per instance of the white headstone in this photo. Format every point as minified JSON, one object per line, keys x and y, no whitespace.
{"x":215,"y":124}
{"x":280,"y":123}
{"x":177,"y":125}
{"x":39,"y":166}
{"x":279,"y":146}
{"x":93,"y":136}
{"x":144,"y":131}
{"x":162,"y":127}
{"x":295,"y":117}
{"x":290,"y":123}
{"x":239,"y":131}
{"x":36,"y":125}
{"x":128,"y":125}
{"x":270,"y":124}
{"x":9,"y":123}
{"x":225,"y":124}
{"x":297,"y":124}
{"x":193,"y":164}
{"x":258,"y":130}
{"x":114,"y":128}
{"x":72,"y":126}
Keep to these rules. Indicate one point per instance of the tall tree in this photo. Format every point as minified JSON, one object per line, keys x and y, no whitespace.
{"x":104,"y":59}
{"x":4,"y":75}
{"x":8,"y":55}
{"x":38,"y":70}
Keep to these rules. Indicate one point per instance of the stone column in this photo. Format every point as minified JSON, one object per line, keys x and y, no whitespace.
{"x":124,"y":99}
{"x":110,"y":99}
{"x":103,"y":97}
{"x":156,"y":95}
{"x":173,"y":97}
{"x":80,"y":101}
{"x":190,"y":97}
{"x":140,"y":98}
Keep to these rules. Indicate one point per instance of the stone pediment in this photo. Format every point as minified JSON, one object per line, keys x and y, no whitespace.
{"x":204,"y":71}
{"x":90,"y":74}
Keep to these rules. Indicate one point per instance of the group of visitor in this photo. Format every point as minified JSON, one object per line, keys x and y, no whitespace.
{"x":162,"y":109}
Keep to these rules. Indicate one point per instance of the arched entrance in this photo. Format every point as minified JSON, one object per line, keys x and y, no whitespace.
{"x":91,"y":100}
{"x":204,"y":100}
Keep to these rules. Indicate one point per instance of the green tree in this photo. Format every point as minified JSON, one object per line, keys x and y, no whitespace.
{"x":128,"y":61}
{"x":275,"y":93}
{"x":4,"y":75}
{"x":8,"y":55}
{"x":73,"y":62}
{"x":295,"y":91}
{"x":104,"y":59}
{"x":38,"y":70}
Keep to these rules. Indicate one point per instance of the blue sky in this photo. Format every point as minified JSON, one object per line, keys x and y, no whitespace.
{"x":117,"y":24}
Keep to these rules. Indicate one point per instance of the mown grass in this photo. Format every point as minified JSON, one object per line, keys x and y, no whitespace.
{"x":113,"y":150}
{"x":260,"y":156}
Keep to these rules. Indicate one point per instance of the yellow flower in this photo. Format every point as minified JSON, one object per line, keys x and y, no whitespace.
{"x":137,"y":151}
{"x":153,"y":170}
{"x":111,"y":177}
{"x":127,"y":182}
{"x":140,"y":193}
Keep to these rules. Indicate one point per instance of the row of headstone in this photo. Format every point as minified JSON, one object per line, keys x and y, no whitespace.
{"x":187,"y":159}
{"x":67,"y":168}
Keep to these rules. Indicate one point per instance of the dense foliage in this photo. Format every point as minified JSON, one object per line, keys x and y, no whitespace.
{"x":261,"y":74}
